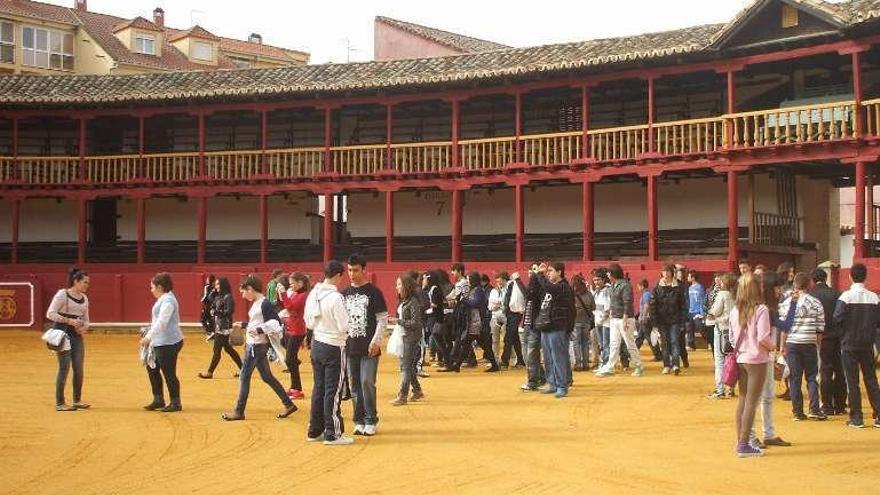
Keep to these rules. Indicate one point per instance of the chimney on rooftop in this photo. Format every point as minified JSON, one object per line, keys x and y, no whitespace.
{"x":81,"y":5}
{"x":159,"y":17}
{"x":255,"y":38}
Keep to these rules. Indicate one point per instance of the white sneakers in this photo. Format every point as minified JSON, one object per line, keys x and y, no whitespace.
{"x":340,"y":440}
{"x":358,"y":429}
{"x":370,"y":430}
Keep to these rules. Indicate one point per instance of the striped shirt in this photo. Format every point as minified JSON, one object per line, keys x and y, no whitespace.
{"x":809,"y":319}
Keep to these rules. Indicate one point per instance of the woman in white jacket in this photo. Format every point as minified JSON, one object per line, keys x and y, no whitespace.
{"x":263,"y":322}
{"x":720,"y":311}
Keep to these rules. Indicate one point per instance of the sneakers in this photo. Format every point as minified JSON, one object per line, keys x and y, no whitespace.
{"x":422,"y":374}
{"x":370,"y":430}
{"x":64,"y":408}
{"x":817,"y":416}
{"x":288,"y":410}
{"x":340,"y":440}
{"x":173,"y":407}
{"x":399,"y":401}
{"x":548,"y":389}
{"x":81,"y":405}
{"x":799,"y":417}
{"x":639,"y":371}
{"x":747,"y":450}
{"x":295,"y":394}
{"x":603,"y":373}
{"x":853,"y":424}
{"x":417,"y":395}
{"x":676,"y":370}
{"x":716,"y":396}
{"x":560,"y":393}
{"x":319,"y":438}
{"x":358,"y":429}
{"x":526,"y":387}
{"x":666,"y":370}
{"x":757,"y":444}
{"x":776,"y":441}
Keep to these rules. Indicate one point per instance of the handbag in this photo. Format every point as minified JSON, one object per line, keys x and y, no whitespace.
{"x":730,"y":372}
{"x":236,"y":335}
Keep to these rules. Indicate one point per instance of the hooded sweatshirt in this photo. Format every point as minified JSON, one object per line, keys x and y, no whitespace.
{"x":326,"y":316}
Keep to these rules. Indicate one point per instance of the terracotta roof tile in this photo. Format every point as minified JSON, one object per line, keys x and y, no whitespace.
{"x":38,"y":10}
{"x":193,"y":32}
{"x":250,"y":48}
{"x":459,"y":42}
{"x":137,"y":23}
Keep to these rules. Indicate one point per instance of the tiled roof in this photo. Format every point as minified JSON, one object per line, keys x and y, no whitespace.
{"x":459,"y":42}
{"x":38,"y":10}
{"x":193,"y":32}
{"x":863,"y":10}
{"x":259,"y":49}
{"x":137,"y":23}
{"x":834,"y":14}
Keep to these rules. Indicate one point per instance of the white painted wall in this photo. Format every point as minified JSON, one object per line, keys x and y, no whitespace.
{"x":288,"y":218}
{"x":45,"y":220}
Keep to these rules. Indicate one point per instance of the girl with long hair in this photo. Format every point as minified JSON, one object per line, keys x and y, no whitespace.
{"x":69,"y":311}
{"x":294,"y":301}
{"x":223,"y":310}
{"x":409,"y":318}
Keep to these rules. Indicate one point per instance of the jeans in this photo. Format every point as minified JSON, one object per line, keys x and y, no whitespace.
{"x":294,"y":342}
{"x":439,"y":342}
{"x":408,"y":370}
{"x":832,"y":384}
{"x":465,"y":349}
{"x":535,"y":371}
{"x":580,"y":340}
{"x":852,"y":362}
{"x":604,"y":343}
{"x":645,"y":336}
{"x":669,"y":344}
{"x":255,"y":357}
{"x":619,"y":333}
{"x":166,"y":366}
{"x":718,"y":354}
{"x":221,"y":343}
{"x":556,"y":363}
{"x":511,"y":340}
{"x":75,"y":358}
{"x":690,"y":327}
{"x":803,"y":361}
{"x":328,"y":363}
{"x":362,"y":378}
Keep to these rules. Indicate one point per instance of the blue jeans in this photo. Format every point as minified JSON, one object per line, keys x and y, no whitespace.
{"x":255,"y":357}
{"x":408,"y":368}
{"x":536,"y":375}
{"x":556,"y":360}
{"x":670,"y":344}
{"x":580,"y":338}
{"x":604,"y":342}
{"x":362,"y":378}
{"x":74,"y":357}
{"x":803,"y":362}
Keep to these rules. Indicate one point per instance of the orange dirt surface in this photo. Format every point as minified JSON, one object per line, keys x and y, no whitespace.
{"x":475,"y":433}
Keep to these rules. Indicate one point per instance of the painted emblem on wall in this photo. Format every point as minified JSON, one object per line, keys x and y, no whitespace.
{"x":7,"y":305}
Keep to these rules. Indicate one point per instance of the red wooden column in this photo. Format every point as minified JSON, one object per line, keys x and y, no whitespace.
{"x":82,"y":149}
{"x":456,"y":111}
{"x":328,"y":226}
{"x":858,"y":92}
{"x":202,"y":169}
{"x":141,"y":229}
{"x":585,"y":122}
{"x":202,"y":228}
{"x":517,"y":150}
{"x":328,"y":139}
{"x":264,"y":141}
{"x":588,"y":219}
{"x":869,"y":204}
{"x":389,"y":226}
{"x":16,"y":228}
{"x":519,"y":203}
{"x":142,"y":165}
{"x":457,"y":210}
{"x":82,"y":230}
{"x":16,"y":172}
{"x":731,"y":104}
{"x":264,"y":228}
{"x":859,"y":228}
{"x":389,"y":126}
{"x":653,"y":254}
{"x":732,"y":219}
{"x":651,"y":109}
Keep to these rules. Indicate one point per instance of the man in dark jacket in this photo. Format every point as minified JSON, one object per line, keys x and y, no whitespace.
{"x":832,"y":386}
{"x":532,"y":337}
{"x":623,"y":323}
{"x":555,"y":321}
{"x":857,"y":318}
{"x":670,"y":313}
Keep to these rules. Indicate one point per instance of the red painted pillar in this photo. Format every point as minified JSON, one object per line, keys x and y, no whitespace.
{"x":857,"y":92}
{"x":389,"y":126}
{"x":203,"y":229}
{"x":519,"y":203}
{"x":588,"y":220}
{"x":202,"y":169}
{"x":456,"y":109}
{"x":651,"y":145}
{"x":653,"y":255}
{"x":731,"y":104}
{"x":82,"y":231}
{"x":517,"y":150}
{"x":457,"y":208}
{"x":16,"y":229}
{"x":141,"y":229}
{"x":389,"y":226}
{"x":16,"y":172}
{"x":328,"y":139}
{"x":586,"y":152}
{"x":859,"y":228}
{"x":732,"y":219}
{"x":264,"y":228}
{"x":82,"y":149}
{"x":264,"y":142}
{"x":142,"y":165}
{"x":328,"y":227}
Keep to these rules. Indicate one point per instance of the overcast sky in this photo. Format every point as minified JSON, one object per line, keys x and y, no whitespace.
{"x":326,"y":28}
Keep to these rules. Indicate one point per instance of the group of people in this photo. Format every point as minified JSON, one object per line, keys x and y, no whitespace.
{"x":775,"y":323}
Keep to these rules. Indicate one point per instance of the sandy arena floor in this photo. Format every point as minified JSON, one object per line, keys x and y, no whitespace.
{"x":475,"y":433}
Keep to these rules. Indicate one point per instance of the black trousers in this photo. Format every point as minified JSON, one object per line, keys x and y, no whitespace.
{"x":832,"y":384}
{"x":853,"y":361}
{"x":221,"y":343}
{"x":511,"y":340}
{"x":294,"y":342}
{"x":166,"y":366}
{"x":465,"y":345}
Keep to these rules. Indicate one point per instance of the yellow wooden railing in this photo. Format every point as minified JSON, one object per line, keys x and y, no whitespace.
{"x":412,"y":158}
{"x":232,"y":165}
{"x":551,"y":149}
{"x":872,"y":117}
{"x":618,"y":143}
{"x":295,"y":162}
{"x":171,"y":167}
{"x":48,"y":169}
{"x":7,"y":168}
{"x":358,"y":160}
{"x":795,"y":125}
{"x":684,"y":137}
{"x":487,"y":153}
{"x":111,"y":169}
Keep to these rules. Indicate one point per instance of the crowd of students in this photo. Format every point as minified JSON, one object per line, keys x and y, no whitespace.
{"x":780,"y":325}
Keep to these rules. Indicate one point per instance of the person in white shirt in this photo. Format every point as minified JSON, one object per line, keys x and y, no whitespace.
{"x":326,"y":316}
{"x":496,"y":299}
{"x":166,"y":339}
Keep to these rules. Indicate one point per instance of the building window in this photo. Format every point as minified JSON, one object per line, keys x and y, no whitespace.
{"x":7,"y":43}
{"x":202,"y":51}
{"x":145,"y":43}
{"x":789,"y":16}
{"x":46,"y":48}
{"x":242,"y":63}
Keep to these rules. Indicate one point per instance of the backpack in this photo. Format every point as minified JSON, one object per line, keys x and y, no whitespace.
{"x":517,"y":302}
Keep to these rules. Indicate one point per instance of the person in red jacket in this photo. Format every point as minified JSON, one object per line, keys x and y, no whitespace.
{"x":294,"y":301}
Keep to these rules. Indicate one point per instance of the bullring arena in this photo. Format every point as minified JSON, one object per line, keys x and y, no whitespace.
{"x":474,"y":432}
